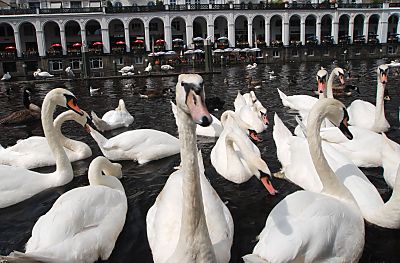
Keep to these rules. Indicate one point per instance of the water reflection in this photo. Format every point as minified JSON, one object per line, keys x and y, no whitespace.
{"x":249,"y":203}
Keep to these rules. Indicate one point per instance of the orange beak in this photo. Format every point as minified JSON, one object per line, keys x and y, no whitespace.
{"x":254,"y":136}
{"x":384,"y":78}
{"x":321,"y":87}
{"x":267,"y":184}
{"x":341,"y":78}
{"x":71,"y":104}
{"x":265,"y":119}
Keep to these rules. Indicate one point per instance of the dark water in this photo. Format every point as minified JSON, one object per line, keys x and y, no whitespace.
{"x":249,"y":203}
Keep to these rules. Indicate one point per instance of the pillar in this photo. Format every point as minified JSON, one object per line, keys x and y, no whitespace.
{"x":40,"y":43}
{"x":189,"y":35}
{"x":127,"y":40}
{"x":318,"y":31}
{"x":105,"y":36}
{"x":17,"y":40}
{"x":147,"y":37}
{"x":231,"y":34}
{"x":210,"y":32}
{"x":167,"y":36}
{"x":267,"y":33}
{"x":383,"y":30}
{"x":335,"y":32}
{"x":63,"y":42}
{"x":250,"y":34}
{"x":365,"y":30}
{"x":84,"y":40}
{"x":303,"y":32}
{"x":351,"y":31}
{"x":285,"y":32}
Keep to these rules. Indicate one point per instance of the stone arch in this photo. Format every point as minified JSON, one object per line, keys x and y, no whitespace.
{"x":72,"y":34}
{"x":358,"y":25}
{"x":93,"y":32}
{"x":52,"y":38}
{"x":220,"y":27}
{"x":7,"y":39}
{"x":326,"y":26}
{"x":116,"y":33}
{"x":310,"y":26}
{"x":156,"y":34}
{"x":276,"y":28}
{"x":344,"y":21}
{"x":27,"y":32}
{"x":259,"y":30}
{"x":241,"y":31}
{"x":200,"y":27}
{"x":294,"y":28}
{"x":373,"y":24}
{"x":393,"y":29}
{"x":178,"y":31}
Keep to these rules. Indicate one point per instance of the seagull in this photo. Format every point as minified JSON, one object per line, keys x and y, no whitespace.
{"x":6,"y":76}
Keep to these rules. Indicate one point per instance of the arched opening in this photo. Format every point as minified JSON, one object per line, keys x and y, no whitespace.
{"x":344,"y":37}
{"x":221,"y":32}
{"x":259,"y":31}
{"x":7,"y":41}
{"x":117,"y":36}
{"x":178,"y":31}
{"x":326,"y":30}
{"x":93,"y":37}
{"x":358,"y":31}
{"x":73,"y":37}
{"x":311,"y":30}
{"x":393,"y":22}
{"x":276,"y":31}
{"x":373,"y":24}
{"x":200,"y":27}
{"x":52,"y":39}
{"x":241,"y":32}
{"x":294,"y":30}
{"x":156,"y":29}
{"x":136,"y":35}
{"x":28,"y":39}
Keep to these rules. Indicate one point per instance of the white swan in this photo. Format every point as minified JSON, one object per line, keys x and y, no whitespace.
{"x":18,"y":184}
{"x":84,"y":223}
{"x":42,"y":74}
{"x":167,"y":67}
{"x":362,"y":112}
{"x":188,"y":221}
{"x":35,"y":152}
{"x":6,"y":76}
{"x":251,"y":99}
{"x":297,"y":166}
{"x":93,"y":91}
{"x":69,"y":72}
{"x":113,"y":119}
{"x":314,"y":227}
{"x":142,"y":145}
{"x":148,"y":68}
{"x":251,"y":66}
{"x":127,"y":69}
{"x":234,"y":155}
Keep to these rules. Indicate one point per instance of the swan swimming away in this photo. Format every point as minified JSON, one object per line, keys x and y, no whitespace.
{"x":18,"y":184}
{"x":6,"y":76}
{"x":84,"y":223}
{"x":188,"y":221}
{"x":314,"y":227}
{"x":113,"y":119}
{"x":35,"y":152}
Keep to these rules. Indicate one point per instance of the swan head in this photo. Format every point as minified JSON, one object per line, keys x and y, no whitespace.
{"x":382,"y":72}
{"x":339,"y":72}
{"x":64,"y":98}
{"x":190,"y":98}
{"x":321,"y":80}
{"x":27,"y":97}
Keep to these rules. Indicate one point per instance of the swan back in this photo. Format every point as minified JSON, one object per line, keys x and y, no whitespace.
{"x":111,"y":170}
{"x":390,"y":160}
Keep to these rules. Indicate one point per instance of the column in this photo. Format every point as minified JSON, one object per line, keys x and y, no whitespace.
{"x":105,"y":36}
{"x":127,"y":40}
{"x":167,"y":36}
{"x":147,"y":37}
{"x":84,"y":40}
{"x":303,"y":32}
{"x":63,"y":41}
{"x":351,"y":30}
{"x":17,"y":40}
{"x":40,"y":43}
{"x":383,"y":30}
{"x":285,"y":32}
{"x":318,"y":31}
{"x":267,"y":33}
{"x":231,"y":34}
{"x":189,"y":36}
{"x":335,"y":32}
{"x":250,"y":34}
{"x":210,"y":32}
{"x":398,"y":27}
{"x":365,"y":30}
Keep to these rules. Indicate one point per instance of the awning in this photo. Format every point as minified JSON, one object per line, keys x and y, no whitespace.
{"x":120,"y":43}
{"x":9,"y":48}
{"x":56,"y":45}
{"x":98,"y":43}
{"x":77,"y":44}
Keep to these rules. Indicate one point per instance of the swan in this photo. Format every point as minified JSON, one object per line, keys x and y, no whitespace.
{"x":93,"y":91}
{"x":251,"y":66}
{"x":127,"y":69}
{"x":362,"y":112}
{"x":6,"y":76}
{"x":113,"y":119}
{"x":84,"y":223}
{"x":42,"y":74}
{"x":35,"y":152}
{"x":148,"y":68}
{"x":188,"y":221}
{"x":297,"y":167}
{"x":234,"y":155}
{"x":29,"y":114}
{"x":142,"y":145}
{"x":250,"y":100}
{"x":167,"y":67}
{"x":314,"y":227}
{"x":70,"y":73}
{"x":18,"y":184}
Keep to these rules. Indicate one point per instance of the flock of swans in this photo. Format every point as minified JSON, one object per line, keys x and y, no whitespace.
{"x":188,"y":221}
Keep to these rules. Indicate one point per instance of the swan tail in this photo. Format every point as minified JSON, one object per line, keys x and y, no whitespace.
{"x":253,"y":258}
{"x":281,"y":135}
{"x":285,"y":100}
{"x":99,"y":123}
{"x":121,"y":105}
{"x":98,"y":137}
{"x":17,"y":257}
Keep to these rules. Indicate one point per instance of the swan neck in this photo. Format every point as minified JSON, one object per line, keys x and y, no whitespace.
{"x":380,"y":106}
{"x":329,"y":86}
{"x":330,"y":183}
{"x":194,"y":240}
{"x":63,"y":166}
{"x":96,"y":176}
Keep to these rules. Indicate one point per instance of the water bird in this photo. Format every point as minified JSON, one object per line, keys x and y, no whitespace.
{"x":6,"y":76}
{"x":42,"y":74}
{"x":148,"y":68}
{"x":166,"y":67}
{"x":251,"y":66}
{"x":70,"y":73}
{"x":113,"y":119}
{"x":127,"y":69}
{"x":93,"y":91}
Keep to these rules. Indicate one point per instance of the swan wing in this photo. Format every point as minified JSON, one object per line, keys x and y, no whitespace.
{"x":298,"y":102}
{"x":85,"y":221}
{"x":361,"y":113}
{"x":122,"y":118}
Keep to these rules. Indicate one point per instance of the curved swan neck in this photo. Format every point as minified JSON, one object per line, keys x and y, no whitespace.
{"x":330,"y":183}
{"x":194,"y":240}
{"x":96,"y":177}
{"x":329,"y":91}
{"x":63,"y":166}
{"x":380,"y":105}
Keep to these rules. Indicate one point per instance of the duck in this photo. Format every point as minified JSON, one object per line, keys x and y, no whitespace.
{"x":113,"y":119}
{"x":31,"y":113}
{"x":235,"y":157}
{"x":188,"y":220}
{"x":141,"y":145}
{"x":86,"y":220}
{"x":34,"y":152}
{"x":127,"y":69}
{"x":255,"y":84}
{"x":297,"y":166}
{"x":18,"y":184}
{"x":42,"y":74}
{"x":6,"y":76}
{"x":345,"y":90}
{"x":153,"y":94}
{"x":167,"y":67}
{"x":362,"y":112}
{"x":148,"y":68}
{"x":70,"y":73}
{"x":314,"y":227}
